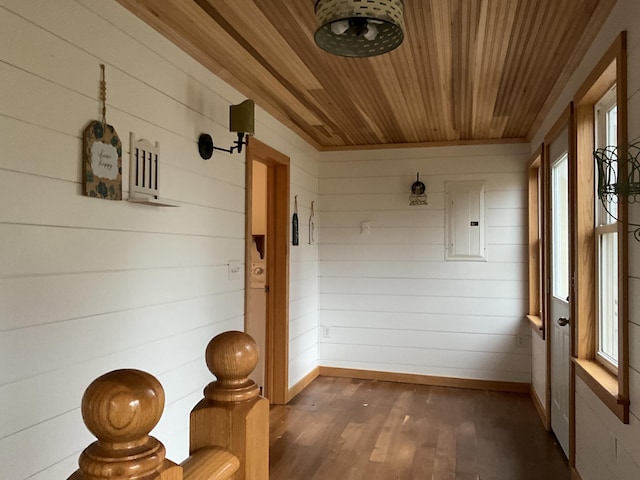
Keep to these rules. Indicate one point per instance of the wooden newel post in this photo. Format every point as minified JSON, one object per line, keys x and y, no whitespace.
{"x":120,"y":408}
{"x":233,"y":415}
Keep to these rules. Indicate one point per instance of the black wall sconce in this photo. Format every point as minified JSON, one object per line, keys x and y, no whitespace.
{"x":418,"y":192}
{"x":241,"y":121}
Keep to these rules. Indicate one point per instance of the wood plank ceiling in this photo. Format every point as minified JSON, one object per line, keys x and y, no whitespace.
{"x":469,"y":71}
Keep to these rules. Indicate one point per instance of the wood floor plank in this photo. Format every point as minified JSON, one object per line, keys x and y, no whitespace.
{"x":347,"y":429}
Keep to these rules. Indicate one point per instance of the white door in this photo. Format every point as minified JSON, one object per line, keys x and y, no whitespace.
{"x":560,"y":285}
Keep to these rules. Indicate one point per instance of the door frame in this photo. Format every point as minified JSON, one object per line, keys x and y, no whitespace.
{"x":277,"y":318}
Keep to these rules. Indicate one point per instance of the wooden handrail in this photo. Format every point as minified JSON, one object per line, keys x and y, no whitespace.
{"x":229,"y":427}
{"x":210,"y":463}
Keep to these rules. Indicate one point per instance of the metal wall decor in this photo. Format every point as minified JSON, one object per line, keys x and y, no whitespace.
{"x":102,"y":154}
{"x":418,"y":192}
{"x":312,"y":226}
{"x":295,"y":240}
{"x":359,"y":28}
{"x":619,"y":178}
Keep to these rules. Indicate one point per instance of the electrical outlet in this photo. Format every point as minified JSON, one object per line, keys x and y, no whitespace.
{"x":520,"y":341}
{"x":326,"y":331}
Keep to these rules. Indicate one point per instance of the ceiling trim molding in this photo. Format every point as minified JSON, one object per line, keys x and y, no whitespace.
{"x":448,"y":143}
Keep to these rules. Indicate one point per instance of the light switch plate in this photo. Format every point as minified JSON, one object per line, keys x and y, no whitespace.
{"x":235,"y":269}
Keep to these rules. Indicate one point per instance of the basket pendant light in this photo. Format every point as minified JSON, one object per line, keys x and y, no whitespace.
{"x":359,"y":28}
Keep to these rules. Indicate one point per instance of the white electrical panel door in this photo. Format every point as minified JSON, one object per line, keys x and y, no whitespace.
{"x":465,"y":217}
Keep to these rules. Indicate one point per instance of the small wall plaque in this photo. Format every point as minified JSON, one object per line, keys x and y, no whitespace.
{"x":102,"y":161}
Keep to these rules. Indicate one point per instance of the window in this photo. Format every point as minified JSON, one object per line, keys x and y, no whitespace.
{"x":606,"y":243}
{"x":600,"y":306}
{"x":536,"y":244}
{"x":560,"y":235}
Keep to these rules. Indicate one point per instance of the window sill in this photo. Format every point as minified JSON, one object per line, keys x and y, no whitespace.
{"x":604,"y":385}
{"x":536,"y":325}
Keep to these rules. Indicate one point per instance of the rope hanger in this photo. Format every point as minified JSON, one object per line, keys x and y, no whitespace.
{"x":103,"y":95}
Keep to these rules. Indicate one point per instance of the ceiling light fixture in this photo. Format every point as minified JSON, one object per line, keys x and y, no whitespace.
{"x":359,"y":28}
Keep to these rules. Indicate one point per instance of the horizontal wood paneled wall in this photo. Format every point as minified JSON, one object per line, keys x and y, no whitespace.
{"x":388,"y":300}
{"x":606,"y":448}
{"x":303,"y":276}
{"x":87,"y":285}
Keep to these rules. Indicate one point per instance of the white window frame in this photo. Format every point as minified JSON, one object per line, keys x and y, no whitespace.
{"x":606,"y":233}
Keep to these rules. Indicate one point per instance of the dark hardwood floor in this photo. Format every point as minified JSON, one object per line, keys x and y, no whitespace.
{"x":344,"y":429}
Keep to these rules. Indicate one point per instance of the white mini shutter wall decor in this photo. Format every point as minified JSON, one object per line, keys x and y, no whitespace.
{"x":466,"y":225}
{"x":144,"y":165}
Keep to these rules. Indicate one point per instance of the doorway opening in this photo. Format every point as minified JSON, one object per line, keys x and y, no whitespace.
{"x":267,"y":266}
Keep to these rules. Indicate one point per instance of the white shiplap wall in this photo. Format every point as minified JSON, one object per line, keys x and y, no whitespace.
{"x":606,"y":448}
{"x":389,"y":299}
{"x":303,"y":275}
{"x":87,"y":285}
{"x":539,"y":369}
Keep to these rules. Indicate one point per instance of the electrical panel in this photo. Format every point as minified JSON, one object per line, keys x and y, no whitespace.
{"x":465,"y":221}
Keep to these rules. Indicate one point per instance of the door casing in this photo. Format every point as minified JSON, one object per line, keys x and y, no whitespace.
{"x":277,"y":318}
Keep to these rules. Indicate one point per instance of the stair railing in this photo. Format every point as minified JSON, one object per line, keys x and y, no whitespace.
{"x":229,"y":427}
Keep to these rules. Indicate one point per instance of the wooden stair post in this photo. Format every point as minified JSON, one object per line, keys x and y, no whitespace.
{"x":233,"y":415}
{"x":120,"y":408}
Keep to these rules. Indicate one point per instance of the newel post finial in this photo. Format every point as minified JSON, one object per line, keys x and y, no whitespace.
{"x":120,"y":408}
{"x":231,"y":357}
{"x":232,"y":414}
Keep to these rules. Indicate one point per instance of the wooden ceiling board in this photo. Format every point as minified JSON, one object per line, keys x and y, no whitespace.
{"x":394,"y":78}
{"x":427,"y":92}
{"x":537,"y":34}
{"x":186,"y":25}
{"x":267,"y":41}
{"x":441,"y":33}
{"x":465,"y":35}
{"x":522,"y":48}
{"x":581,"y":45}
{"x":469,"y":71}
{"x":341,"y":101}
{"x":496,"y":18}
{"x":268,"y":76}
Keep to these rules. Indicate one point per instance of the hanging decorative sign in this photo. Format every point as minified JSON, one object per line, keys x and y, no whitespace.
{"x":102,"y":155}
{"x":312,"y":226}
{"x":294,"y":223}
